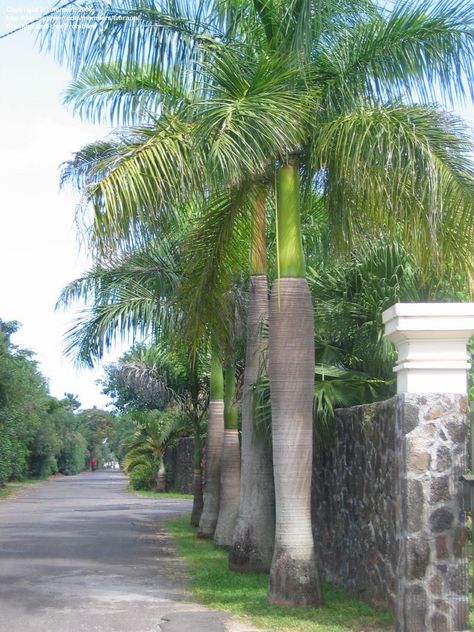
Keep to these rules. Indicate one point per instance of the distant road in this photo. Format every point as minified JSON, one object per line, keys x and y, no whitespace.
{"x":81,"y":554}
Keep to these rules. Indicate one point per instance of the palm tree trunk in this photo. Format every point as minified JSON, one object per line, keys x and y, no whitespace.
{"x":161,"y":476}
{"x":215,"y":438}
{"x":254,"y":534}
{"x":198,"y":501}
{"x":294,"y":577}
{"x":230,"y":467}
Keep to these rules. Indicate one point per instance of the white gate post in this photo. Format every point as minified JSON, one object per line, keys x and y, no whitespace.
{"x":431,"y":339}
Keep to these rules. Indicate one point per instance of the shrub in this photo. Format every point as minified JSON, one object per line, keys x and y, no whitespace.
{"x":143,"y":476}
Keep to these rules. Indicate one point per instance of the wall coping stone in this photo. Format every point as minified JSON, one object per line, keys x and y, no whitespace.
{"x":431,"y":340}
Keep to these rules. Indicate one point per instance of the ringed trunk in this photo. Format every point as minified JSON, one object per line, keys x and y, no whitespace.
{"x":161,"y":476}
{"x":198,"y":501}
{"x":230,"y":467}
{"x":294,"y":577}
{"x":252,"y":546}
{"x":215,"y":438}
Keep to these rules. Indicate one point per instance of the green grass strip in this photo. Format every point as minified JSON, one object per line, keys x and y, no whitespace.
{"x":12,"y":488}
{"x":214,"y":585}
{"x":164,"y":495}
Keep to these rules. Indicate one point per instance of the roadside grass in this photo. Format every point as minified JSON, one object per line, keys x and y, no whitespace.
{"x":471,"y":581}
{"x":11,"y":488}
{"x":166,"y":495}
{"x":214,"y":585}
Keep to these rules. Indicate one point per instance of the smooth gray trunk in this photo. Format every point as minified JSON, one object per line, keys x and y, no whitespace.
{"x":215,"y":437}
{"x":230,"y":489}
{"x":294,"y":577}
{"x":252,"y":546}
{"x":161,"y":477}
{"x":197,"y":497}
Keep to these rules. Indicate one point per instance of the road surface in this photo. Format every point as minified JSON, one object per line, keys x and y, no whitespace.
{"x":81,"y":554}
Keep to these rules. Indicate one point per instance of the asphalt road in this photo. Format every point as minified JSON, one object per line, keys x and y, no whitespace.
{"x":81,"y":554}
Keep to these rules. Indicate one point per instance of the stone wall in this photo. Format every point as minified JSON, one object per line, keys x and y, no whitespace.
{"x":179,"y":465}
{"x":355,"y":495}
{"x":387,"y":508}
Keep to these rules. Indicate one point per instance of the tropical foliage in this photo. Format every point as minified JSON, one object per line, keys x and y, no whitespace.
{"x":155,"y":431}
{"x":39,"y":434}
{"x":163,"y":395}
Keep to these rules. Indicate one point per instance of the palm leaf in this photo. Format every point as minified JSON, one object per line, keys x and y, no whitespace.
{"x":215,"y":252}
{"x":134,"y":182}
{"x":106,"y":93}
{"x":171,"y":35}
{"x":406,"y":170}
{"x":128,"y":296}
{"x":415,"y":50}
{"x":255,"y":114}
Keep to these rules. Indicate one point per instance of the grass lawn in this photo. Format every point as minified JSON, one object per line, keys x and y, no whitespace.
{"x":471,"y":581}
{"x":165,"y":495}
{"x":12,"y":488}
{"x":214,"y":585}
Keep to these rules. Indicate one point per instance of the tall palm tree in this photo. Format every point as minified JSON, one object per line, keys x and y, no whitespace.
{"x":252,"y":544}
{"x":215,"y":438}
{"x":353,"y":121}
{"x":230,"y":464}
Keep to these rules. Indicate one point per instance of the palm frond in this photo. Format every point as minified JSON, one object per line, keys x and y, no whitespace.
{"x":128,"y":296}
{"x":406,"y":171}
{"x":107,"y":94}
{"x":337,"y":387}
{"x":172,"y":35}
{"x":420,"y":50}
{"x":134,"y":182}
{"x":350,"y":297}
{"x":95,"y":331}
{"x":215,"y":252}
{"x":255,"y":114}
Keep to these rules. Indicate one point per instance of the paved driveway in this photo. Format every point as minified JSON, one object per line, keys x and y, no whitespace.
{"x":81,"y":554}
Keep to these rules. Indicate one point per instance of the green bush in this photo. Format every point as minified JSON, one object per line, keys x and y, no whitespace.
{"x":13,"y":455}
{"x":143,"y":476}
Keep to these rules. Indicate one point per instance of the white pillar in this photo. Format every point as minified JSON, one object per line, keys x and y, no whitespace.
{"x":431,"y":340}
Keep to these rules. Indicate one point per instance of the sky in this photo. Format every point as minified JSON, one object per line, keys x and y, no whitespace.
{"x":39,"y":251}
{"x":38,"y":243}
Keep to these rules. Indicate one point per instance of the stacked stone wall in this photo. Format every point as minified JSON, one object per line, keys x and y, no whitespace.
{"x":355,"y":493}
{"x":388,"y":508}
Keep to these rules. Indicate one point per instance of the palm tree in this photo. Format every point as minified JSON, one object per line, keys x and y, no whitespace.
{"x":170,"y":372}
{"x":155,"y":432}
{"x":130,"y":294}
{"x":215,"y":437}
{"x":252,"y":544}
{"x":355,"y":119}
{"x":230,"y":464}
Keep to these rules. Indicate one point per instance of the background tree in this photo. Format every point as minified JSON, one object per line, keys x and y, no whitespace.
{"x":155,"y":431}
{"x":39,"y":434}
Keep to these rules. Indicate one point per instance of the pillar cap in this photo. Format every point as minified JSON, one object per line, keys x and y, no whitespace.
{"x":431,"y":340}
{"x":405,"y":321}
